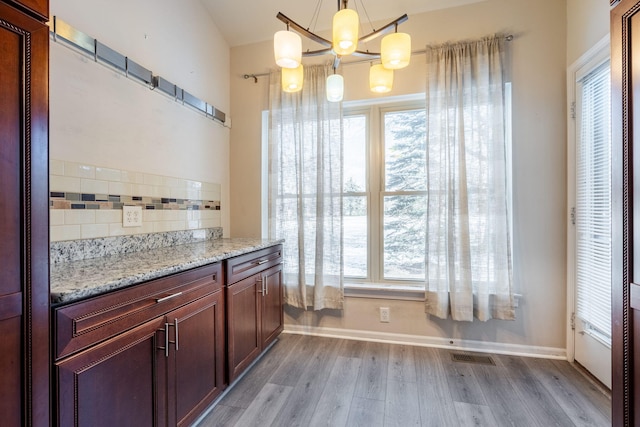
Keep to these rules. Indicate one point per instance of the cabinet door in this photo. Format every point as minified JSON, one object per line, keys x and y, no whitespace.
{"x":120,"y":382}
{"x":272,"y":314}
{"x":196,"y":366}
{"x":243,"y":324}
{"x":24,"y":228}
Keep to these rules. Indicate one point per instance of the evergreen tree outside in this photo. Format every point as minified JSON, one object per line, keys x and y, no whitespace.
{"x":405,"y":210}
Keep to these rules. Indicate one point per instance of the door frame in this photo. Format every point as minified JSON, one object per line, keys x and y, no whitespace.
{"x":599,"y":52}
{"x":624,"y":379}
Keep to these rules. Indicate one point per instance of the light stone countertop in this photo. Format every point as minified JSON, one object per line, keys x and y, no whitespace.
{"x":72,"y":281}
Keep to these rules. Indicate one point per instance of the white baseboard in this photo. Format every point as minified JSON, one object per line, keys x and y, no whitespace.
{"x":424,"y":341}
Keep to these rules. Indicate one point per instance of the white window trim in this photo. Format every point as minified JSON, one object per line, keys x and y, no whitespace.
{"x":599,"y":53}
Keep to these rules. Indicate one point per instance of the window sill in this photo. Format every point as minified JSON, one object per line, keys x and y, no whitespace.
{"x":383,"y":291}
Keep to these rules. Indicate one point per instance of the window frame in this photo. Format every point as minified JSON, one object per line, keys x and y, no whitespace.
{"x":373,"y":111}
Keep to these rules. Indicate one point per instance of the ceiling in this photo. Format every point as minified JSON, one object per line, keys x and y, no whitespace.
{"x":249,"y":21}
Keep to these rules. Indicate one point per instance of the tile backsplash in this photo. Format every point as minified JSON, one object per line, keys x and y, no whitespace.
{"x":86,"y":202}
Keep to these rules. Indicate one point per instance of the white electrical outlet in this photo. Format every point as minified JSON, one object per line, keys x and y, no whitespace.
{"x":385,"y":316}
{"x":132,"y":216}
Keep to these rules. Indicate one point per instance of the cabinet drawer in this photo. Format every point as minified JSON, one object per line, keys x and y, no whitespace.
{"x":85,"y":323}
{"x":246,"y":265}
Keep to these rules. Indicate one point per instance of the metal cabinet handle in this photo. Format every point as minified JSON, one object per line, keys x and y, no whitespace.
{"x":168,"y":297}
{"x":262,"y":261}
{"x":259,"y":280}
{"x":175,"y":322}
{"x":266,"y":285}
{"x":166,"y":340}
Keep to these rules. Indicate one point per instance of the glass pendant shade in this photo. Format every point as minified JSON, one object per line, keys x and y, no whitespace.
{"x":395,"y":50}
{"x":287,"y":49}
{"x":335,"y":88}
{"x":380,"y":79}
{"x":345,"y":32}
{"x":292,"y":79}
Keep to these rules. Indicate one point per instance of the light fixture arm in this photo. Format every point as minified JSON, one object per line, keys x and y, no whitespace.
{"x":326,"y":43}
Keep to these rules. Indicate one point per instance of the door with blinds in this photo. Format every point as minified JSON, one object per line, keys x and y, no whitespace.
{"x":591,"y":216}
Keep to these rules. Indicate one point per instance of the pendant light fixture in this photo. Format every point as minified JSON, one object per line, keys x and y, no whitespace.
{"x":345,"y":31}
{"x":287,"y":49}
{"x":335,"y":87}
{"x":380,"y":79}
{"x":395,"y":50}
{"x":292,"y":79}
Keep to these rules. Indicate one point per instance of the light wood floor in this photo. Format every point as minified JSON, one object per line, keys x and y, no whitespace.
{"x":312,"y":381}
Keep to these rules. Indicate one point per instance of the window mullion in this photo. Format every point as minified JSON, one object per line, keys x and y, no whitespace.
{"x":375,"y":185}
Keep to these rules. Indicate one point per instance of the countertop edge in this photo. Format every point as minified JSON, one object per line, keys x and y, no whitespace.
{"x":68,"y":296}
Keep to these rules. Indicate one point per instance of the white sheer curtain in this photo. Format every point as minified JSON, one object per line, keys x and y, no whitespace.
{"x":305,"y":189}
{"x":468,"y":224}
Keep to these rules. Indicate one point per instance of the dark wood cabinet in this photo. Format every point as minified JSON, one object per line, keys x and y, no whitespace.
{"x":38,"y":8}
{"x":152,"y":354}
{"x":254,"y":306}
{"x":24,"y":221}
{"x":198,"y":362}
{"x":625,"y":290}
{"x":116,"y":383}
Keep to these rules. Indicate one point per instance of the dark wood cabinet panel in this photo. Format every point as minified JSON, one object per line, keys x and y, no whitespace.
{"x":11,"y":378}
{"x":198,"y":360}
{"x":254,"y":306}
{"x":24,"y":221}
{"x":39,"y":8}
{"x":272,"y":310}
{"x":117,"y":383}
{"x":243,"y":324}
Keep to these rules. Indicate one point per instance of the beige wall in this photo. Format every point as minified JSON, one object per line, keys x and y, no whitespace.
{"x":539,"y":167}
{"x":587,"y":23}
{"x":103,"y":119}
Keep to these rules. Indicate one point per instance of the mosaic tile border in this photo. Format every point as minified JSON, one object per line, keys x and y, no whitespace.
{"x":70,"y":200}
{"x":76,"y":250}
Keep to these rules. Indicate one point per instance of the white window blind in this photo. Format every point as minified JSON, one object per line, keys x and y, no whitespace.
{"x":593,"y":202}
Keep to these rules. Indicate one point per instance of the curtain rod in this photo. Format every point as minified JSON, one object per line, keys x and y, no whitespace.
{"x":255,"y":76}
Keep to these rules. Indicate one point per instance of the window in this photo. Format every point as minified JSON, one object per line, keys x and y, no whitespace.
{"x":384,"y":203}
{"x":593,"y":202}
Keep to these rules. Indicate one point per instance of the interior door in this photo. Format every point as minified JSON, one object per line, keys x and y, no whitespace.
{"x":24,"y":222}
{"x":625,"y":79}
{"x":591,"y":233}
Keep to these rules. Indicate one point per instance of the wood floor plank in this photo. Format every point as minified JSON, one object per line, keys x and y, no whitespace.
{"x":402,"y":364}
{"x":565,"y":393}
{"x":598,"y":396}
{"x":372,"y":382}
{"x":289,"y":371}
{"x":428,"y":363}
{"x":265,"y":406}
{"x":507,"y":407}
{"x":533,"y":394}
{"x":402,"y":407}
{"x":463,"y":384}
{"x":245,"y":391}
{"x":222,"y":416}
{"x":474,"y":415}
{"x":436,"y":405}
{"x":334,"y":403}
{"x":352,"y":348}
{"x":366,"y":413}
{"x":310,"y":384}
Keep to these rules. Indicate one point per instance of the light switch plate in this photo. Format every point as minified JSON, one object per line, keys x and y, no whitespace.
{"x":132,"y":216}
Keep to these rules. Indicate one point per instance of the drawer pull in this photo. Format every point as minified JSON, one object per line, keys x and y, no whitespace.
{"x":262,"y":261}
{"x":168,"y":297}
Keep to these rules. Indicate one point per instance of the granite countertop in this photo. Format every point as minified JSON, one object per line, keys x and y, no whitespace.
{"x":72,"y":281}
